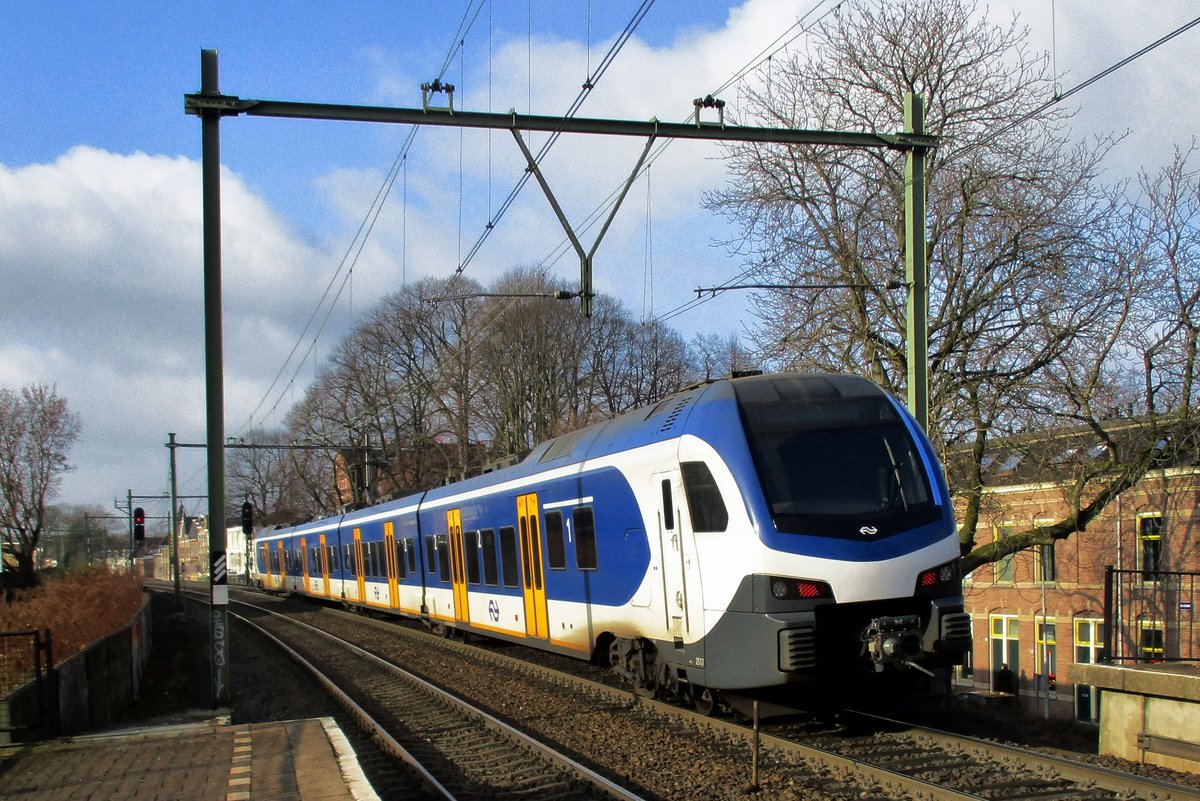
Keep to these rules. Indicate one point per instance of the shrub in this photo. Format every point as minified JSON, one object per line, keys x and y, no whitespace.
{"x":78,"y":608}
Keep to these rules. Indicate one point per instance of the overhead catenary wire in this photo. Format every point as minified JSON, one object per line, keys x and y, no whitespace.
{"x":470,"y":16}
{"x":466,"y":23}
{"x":1058,"y":97}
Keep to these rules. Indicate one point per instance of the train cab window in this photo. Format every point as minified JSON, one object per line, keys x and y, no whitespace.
{"x":471,"y":555}
{"x":431,"y":554}
{"x":401,"y":546}
{"x":411,"y":547}
{"x":585,"y":538}
{"x":556,"y":543}
{"x":508,"y":557}
{"x":487,"y":539}
{"x":839,"y":465}
{"x":704,"y":498}
{"x":443,"y":552}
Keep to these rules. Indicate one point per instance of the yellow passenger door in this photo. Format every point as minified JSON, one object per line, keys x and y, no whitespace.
{"x":536,"y":624}
{"x":458,"y":573}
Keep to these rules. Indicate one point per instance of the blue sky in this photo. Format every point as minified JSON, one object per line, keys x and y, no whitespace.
{"x":100,"y":282}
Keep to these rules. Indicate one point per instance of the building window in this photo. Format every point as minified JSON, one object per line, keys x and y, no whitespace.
{"x":1047,"y":570}
{"x":1150,"y":550}
{"x":1089,"y":649}
{"x":1089,"y":640}
{"x":1005,"y":566}
{"x":1151,"y":644}
{"x":1006,"y":653}
{"x":1047,"y":661}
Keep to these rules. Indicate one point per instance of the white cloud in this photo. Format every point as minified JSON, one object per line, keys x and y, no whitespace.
{"x":102,"y":267}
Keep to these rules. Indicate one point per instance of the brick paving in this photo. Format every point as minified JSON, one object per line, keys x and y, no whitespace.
{"x":300,"y":760}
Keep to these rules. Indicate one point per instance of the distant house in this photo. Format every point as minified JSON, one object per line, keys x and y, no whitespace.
{"x":194,"y":555}
{"x":1039,"y":610}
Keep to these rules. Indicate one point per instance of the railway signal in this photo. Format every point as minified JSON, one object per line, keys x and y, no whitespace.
{"x":247,"y":517}
{"x":139,"y":523}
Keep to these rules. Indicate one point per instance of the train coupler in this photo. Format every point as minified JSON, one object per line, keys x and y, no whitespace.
{"x":894,"y":641}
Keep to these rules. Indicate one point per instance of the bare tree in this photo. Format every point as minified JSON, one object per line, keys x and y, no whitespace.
{"x":716,"y":356}
{"x":37,"y":430}
{"x":531,"y":358}
{"x":1035,"y":275}
{"x":258,"y":475}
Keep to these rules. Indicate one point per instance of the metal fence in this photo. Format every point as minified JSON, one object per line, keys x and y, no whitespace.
{"x":23,"y":658}
{"x":26,"y":689}
{"x":1149,"y":616}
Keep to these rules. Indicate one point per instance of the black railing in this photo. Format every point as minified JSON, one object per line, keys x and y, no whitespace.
{"x":1149,"y":616}
{"x":22,"y":658}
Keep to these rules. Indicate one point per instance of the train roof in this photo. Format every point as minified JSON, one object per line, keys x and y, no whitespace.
{"x":668,"y":418}
{"x":657,"y":422}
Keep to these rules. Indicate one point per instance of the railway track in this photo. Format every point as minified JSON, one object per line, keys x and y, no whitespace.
{"x":457,"y":750}
{"x":667,"y":752}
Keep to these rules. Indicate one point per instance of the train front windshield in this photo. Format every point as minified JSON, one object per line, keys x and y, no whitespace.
{"x":843,"y":466}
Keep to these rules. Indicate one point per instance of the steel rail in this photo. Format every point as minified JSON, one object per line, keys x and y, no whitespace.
{"x":490,"y":721}
{"x":385,"y":741}
{"x":863,"y":771}
{"x":1105,"y":778}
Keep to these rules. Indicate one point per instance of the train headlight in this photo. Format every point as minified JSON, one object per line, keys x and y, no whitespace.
{"x":790,"y":589}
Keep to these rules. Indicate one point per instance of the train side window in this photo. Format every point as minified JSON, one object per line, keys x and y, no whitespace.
{"x":443,"y":552}
{"x":508,"y":556}
{"x":556,"y":542}
{"x":488,"y":544}
{"x":471,"y":555}
{"x":704,"y":498}
{"x":331,"y":552}
{"x":431,"y":554}
{"x":349,"y":560}
{"x":400,"y":546}
{"x":411,"y":547}
{"x":585,"y":538}
{"x":668,"y":505}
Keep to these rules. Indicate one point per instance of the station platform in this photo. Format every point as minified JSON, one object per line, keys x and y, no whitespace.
{"x":1149,"y":713}
{"x":299,"y":760}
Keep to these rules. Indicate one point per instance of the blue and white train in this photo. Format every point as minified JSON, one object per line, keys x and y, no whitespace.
{"x":741,"y":537}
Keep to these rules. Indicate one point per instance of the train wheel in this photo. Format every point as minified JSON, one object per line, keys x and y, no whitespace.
{"x":704,"y":700}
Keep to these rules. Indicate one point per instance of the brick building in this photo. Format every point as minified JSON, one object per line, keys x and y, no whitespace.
{"x":1040,"y":610}
{"x":194,"y":554}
